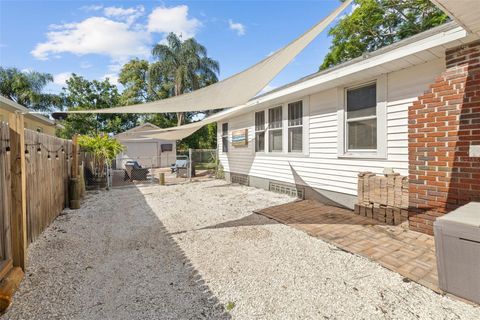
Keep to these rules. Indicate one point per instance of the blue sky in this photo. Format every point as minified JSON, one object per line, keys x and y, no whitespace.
{"x":94,"y":38}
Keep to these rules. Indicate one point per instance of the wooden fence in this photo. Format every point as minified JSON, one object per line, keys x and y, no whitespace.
{"x":30,"y":199}
{"x":47,"y":166}
{"x":5,"y":201}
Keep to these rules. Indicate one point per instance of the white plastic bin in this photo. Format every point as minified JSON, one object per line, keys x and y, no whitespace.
{"x":457,"y":245}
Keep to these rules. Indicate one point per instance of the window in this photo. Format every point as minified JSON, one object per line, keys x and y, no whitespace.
{"x":295,"y":127}
{"x":260,"y":131}
{"x":166,"y":147}
{"x":225,"y":137}
{"x":361,"y":118}
{"x":275,"y":129}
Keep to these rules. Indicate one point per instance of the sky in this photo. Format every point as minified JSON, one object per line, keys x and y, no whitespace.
{"x":95,"y":38}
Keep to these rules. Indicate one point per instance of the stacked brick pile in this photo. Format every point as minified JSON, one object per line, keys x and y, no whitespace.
{"x":383,"y":198}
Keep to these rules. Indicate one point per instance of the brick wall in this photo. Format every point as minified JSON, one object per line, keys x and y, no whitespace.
{"x":444,"y":127}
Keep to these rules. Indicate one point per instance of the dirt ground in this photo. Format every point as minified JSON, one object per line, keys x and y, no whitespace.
{"x":196,"y":251}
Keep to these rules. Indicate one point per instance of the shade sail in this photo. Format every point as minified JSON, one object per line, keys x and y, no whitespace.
{"x":235,"y":90}
{"x":180,"y":132}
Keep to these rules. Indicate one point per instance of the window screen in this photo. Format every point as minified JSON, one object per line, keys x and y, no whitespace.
{"x":275,"y":131}
{"x":225,"y":137}
{"x":362,"y":118}
{"x":295,"y":127}
{"x":260,"y":131}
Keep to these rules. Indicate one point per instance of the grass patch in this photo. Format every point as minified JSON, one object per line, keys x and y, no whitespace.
{"x":230,"y":305}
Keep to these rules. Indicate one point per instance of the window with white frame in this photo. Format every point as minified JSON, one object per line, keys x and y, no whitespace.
{"x":275,"y":131}
{"x":361,"y":118}
{"x":295,"y":127}
{"x":225,"y":137}
{"x":260,"y":131}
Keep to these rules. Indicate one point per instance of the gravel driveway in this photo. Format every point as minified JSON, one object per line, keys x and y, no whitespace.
{"x":196,"y":251}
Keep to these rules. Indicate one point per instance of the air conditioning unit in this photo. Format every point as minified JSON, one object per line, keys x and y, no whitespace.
{"x":457,"y":245}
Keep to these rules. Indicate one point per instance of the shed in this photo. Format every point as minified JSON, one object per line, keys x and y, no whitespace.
{"x":148,"y":152}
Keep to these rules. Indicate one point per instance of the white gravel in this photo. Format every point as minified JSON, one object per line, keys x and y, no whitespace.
{"x":189,"y":251}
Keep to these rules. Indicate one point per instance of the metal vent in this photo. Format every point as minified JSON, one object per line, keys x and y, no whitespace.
{"x":293,"y":191}
{"x":240,"y":179}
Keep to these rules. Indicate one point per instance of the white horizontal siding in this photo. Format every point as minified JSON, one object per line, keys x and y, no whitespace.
{"x":322,"y":168}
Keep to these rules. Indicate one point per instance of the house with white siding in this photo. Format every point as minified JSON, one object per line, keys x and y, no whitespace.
{"x":314,"y":136}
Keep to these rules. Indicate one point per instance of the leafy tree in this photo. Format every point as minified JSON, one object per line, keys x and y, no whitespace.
{"x":26,"y":89}
{"x":204,"y":138}
{"x":103,"y":148}
{"x":183,"y":66}
{"x":378,"y":23}
{"x":82,"y":94}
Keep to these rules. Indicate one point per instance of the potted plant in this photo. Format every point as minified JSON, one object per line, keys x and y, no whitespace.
{"x":103,"y":149}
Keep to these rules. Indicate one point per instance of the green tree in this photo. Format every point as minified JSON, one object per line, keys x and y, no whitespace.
{"x":26,"y":88}
{"x":183,"y":66}
{"x":203,"y":138}
{"x":82,"y":94}
{"x":103,"y":148}
{"x":139,"y":87}
{"x":377,"y":23}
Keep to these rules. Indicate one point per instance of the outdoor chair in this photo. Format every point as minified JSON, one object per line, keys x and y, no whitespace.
{"x":134,"y":171}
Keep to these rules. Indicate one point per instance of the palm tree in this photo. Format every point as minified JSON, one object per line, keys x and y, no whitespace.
{"x":184,"y":65}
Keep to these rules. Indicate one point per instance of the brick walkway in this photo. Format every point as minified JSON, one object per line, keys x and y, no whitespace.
{"x":410,"y":253}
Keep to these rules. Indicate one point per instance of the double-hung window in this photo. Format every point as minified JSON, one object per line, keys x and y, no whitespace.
{"x":260,"y":131}
{"x":295,"y":127}
{"x":275,"y":131}
{"x":361,"y":118}
{"x":225,"y":137}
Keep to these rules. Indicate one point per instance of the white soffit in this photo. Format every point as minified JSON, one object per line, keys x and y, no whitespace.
{"x":465,"y":12}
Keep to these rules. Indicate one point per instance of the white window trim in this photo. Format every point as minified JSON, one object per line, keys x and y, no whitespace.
{"x":381,"y":115}
{"x":305,"y":134}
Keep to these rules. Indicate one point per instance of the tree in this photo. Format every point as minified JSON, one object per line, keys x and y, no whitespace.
{"x":82,"y":94}
{"x":103,"y":148}
{"x":26,"y":89}
{"x":183,"y":66}
{"x":377,"y":23}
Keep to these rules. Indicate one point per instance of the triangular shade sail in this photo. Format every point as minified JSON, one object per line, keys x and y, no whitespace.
{"x":237,"y":89}
{"x":180,"y":132}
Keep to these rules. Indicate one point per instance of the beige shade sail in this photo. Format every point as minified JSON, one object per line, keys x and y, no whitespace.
{"x":235,"y":90}
{"x":180,"y":132}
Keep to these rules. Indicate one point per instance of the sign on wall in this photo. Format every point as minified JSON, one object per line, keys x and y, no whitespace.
{"x":240,"y":138}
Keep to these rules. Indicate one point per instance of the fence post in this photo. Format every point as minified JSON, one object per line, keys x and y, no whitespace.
{"x":190,"y":164}
{"x":75,"y":156}
{"x":19,"y":190}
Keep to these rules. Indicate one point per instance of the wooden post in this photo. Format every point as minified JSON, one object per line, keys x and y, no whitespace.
{"x":161,"y":178}
{"x":19,"y":190}
{"x":75,"y":156}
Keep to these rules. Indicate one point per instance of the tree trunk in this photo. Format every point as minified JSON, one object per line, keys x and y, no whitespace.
{"x":180,"y":118}
{"x":180,"y":115}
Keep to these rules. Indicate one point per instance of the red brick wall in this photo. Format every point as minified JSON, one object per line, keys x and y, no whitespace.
{"x":442,"y":125}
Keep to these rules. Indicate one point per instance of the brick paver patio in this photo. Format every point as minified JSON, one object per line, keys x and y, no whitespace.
{"x":410,"y":253}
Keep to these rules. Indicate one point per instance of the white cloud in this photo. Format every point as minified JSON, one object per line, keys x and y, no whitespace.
{"x":237,"y":26}
{"x":174,"y":19}
{"x":60,"y":79}
{"x":129,"y":15}
{"x":95,"y":35}
{"x":92,"y":7}
{"x":112,"y":78}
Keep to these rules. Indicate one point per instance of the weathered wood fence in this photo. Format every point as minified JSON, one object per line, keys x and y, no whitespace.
{"x":30,"y":199}
{"x":48,"y":171}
